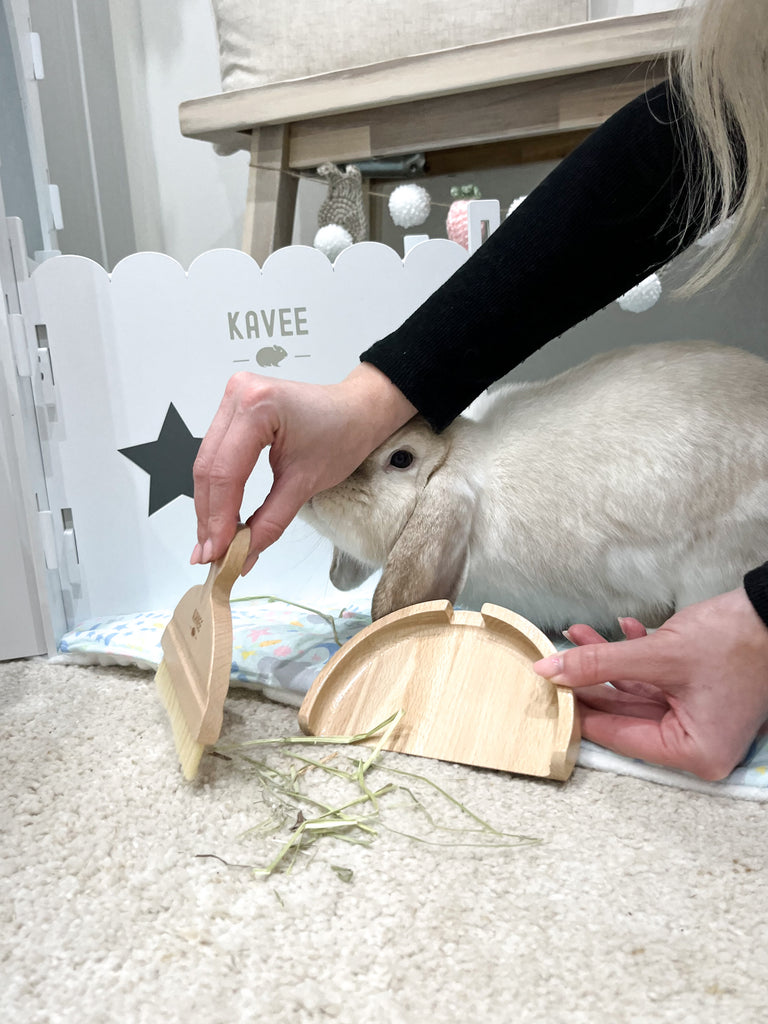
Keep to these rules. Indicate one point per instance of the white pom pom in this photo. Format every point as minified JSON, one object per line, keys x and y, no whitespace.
{"x":717,"y":234}
{"x":409,"y":205}
{"x":332,"y":240}
{"x":642,"y":296}
{"x":515,"y":203}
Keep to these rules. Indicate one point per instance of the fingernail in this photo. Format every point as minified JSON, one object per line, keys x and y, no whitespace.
{"x":622,"y":625}
{"x":568,"y":636}
{"x":549,"y":667}
{"x":196,"y":556}
{"x":248,"y":564}
{"x":207,"y":555}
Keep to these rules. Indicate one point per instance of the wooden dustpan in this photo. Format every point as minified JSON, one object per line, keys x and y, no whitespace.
{"x":464,"y":683}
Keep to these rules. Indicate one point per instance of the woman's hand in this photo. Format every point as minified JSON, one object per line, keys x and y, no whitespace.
{"x":316,"y":435}
{"x":692,"y":695}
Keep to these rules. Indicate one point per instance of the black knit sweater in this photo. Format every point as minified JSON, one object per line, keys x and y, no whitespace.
{"x":604,"y":219}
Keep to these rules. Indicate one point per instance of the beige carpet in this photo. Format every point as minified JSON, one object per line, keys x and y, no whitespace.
{"x":641,"y":903}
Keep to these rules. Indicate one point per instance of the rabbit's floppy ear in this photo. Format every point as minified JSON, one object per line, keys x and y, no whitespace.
{"x":348,"y":572}
{"x":430,"y":558}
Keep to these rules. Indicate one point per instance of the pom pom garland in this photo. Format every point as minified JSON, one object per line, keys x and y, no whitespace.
{"x":332,"y":239}
{"x":717,"y":234}
{"x":409,"y":205}
{"x":515,"y":203}
{"x":642,"y":296}
{"x":457,"y":221}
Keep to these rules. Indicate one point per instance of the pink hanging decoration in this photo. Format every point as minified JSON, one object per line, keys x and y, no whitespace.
{"x":456,"y":223}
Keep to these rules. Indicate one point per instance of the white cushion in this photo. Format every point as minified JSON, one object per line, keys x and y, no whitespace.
{"x":263,"y":41}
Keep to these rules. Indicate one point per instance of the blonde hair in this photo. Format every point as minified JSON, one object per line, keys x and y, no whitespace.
{"x":721,"y":76}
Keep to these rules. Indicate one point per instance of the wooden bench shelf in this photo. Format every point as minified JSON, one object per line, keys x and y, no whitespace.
{"x":561,"y":82}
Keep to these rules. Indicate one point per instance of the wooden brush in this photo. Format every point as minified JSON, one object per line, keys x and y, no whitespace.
{"x":193,"y":677}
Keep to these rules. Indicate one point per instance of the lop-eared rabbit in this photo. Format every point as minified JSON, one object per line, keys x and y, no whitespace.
{"x":633,"y":484}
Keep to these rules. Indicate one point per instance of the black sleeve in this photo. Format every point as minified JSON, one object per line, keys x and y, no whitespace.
{"x":756,"y":586}
{"x":605,"y":218}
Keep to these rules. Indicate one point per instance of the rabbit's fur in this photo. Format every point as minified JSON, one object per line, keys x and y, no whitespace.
{"x":633,"y":484}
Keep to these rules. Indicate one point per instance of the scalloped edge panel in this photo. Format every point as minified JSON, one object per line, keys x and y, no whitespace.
{"x":125,"y":346}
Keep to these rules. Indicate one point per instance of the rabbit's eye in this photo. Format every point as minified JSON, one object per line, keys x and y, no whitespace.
{"x":401,"y":459}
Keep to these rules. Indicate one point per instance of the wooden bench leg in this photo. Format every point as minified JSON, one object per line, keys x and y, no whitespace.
{"x":271,"y":201}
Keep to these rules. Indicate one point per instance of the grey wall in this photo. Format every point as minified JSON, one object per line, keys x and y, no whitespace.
{"x":83,"y":128}
{"x":116,"y":71}
{"x":16,"y":173}
{"x":734,"y":312}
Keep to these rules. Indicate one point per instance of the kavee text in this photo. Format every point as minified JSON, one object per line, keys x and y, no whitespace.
{"x":287,"y":322}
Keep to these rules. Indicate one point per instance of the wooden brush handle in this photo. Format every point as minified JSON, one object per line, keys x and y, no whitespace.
{"x":225,"y":570}
{"x":214,"y":596}
{"x":197,"y":643}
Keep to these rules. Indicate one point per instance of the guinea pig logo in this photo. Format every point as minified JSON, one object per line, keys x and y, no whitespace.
{"x":272,"y":355}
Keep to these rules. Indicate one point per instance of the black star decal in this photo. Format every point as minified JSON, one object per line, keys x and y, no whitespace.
{"x":168,"y":460}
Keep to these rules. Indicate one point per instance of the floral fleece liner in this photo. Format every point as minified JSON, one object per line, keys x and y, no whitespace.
{"x":280,"y":647}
